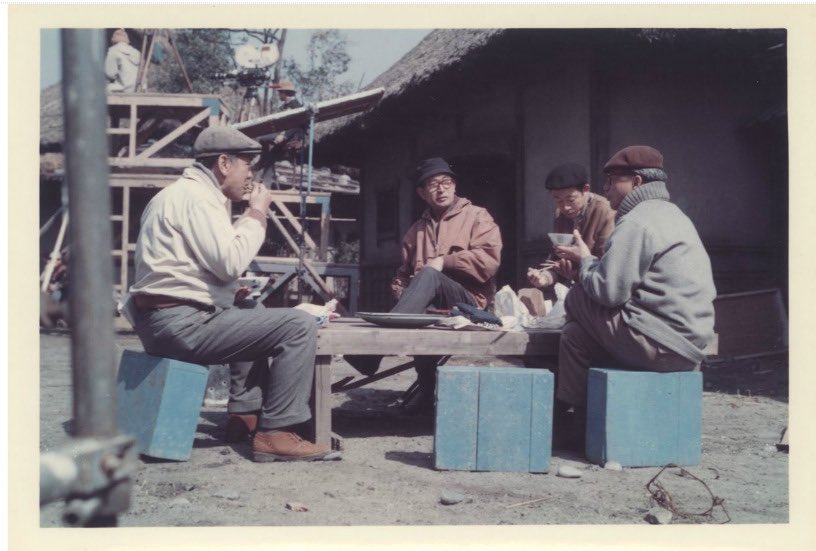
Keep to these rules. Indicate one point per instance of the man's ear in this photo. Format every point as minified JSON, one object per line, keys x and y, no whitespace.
{"x":422,"y":194}
{"x":637,"y":181}
{"x":222,"y":163}
{"x":585,"y":189}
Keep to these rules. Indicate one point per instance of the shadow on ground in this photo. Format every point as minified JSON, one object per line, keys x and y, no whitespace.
{"x":766,"y":376}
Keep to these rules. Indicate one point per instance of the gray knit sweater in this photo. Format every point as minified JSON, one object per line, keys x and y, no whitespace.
{"x":656,"y":269}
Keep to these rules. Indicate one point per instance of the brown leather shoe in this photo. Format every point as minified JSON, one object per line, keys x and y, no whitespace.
{"x":241,"y":427}
{"x":288,"y":446}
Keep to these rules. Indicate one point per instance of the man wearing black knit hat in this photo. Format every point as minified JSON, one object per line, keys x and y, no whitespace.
{"x":647,"y":303}
{"x":577,"y":208}
{"x":450,"y":255}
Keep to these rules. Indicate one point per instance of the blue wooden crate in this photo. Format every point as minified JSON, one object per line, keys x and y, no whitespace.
{"x":158,"y":401}
{"x":493,"y":419}
{"x":644,"y":419}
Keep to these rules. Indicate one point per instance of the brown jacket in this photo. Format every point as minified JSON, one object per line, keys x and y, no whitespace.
{"x":468,"y":240}
{"x":595,"y":225}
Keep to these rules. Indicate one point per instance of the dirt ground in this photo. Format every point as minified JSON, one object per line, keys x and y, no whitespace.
{"x":386,"y":475}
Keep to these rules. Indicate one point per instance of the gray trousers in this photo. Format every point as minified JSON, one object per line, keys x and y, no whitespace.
{"x":247,"y":339}
{"x":597,"y":336}
{"x":431,"y":287}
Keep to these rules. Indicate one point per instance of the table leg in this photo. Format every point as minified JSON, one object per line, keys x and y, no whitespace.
{"x":321,"y":400}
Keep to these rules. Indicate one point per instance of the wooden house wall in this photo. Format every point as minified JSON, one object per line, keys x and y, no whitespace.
{"x":582,"y":104}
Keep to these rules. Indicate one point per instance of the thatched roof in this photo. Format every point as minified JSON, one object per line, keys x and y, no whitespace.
{"x":453,"y":52}
{"x":438,"y":51}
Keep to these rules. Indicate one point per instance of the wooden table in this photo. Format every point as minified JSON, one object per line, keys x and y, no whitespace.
{"x":355,"y":336}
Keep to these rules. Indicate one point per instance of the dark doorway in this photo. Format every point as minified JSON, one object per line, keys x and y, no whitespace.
{"x":489,"y":182}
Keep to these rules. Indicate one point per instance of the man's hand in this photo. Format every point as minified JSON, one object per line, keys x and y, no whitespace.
{"x":575,"y":252}
{"x":260,"y":198}
{"x":567,"y":269}
{"x":540,"y":278}
{"x":279,"y":138}
{"x":242,"y":293}
{"x":435,"y":263}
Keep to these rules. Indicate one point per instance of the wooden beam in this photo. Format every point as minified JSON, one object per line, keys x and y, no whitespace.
{"x":200,"y":116}
{"x":133,"y":124}
{"x":153,"y":162}
{"x":294,"y":221}
{"x":278,"y":224}
{"x":162,"y":100}
{"x":354,"y":336}
{"x":325,"y":110}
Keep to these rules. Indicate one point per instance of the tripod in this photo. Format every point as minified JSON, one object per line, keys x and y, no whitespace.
{"x":250,"y":105}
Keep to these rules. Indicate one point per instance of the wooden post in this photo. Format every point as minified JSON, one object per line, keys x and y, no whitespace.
{"x":325,"y":219}
{"x":132,"y":135}
{"x":123,"y":267}
{"x":321,"y":400}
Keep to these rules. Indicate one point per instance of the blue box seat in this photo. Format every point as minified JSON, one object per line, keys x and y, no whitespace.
{"x":493,"y":419}
{"x":644,"y":419}
{"x":158,"y":400}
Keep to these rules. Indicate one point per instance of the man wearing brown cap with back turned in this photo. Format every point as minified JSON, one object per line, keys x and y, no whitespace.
{"x":646,"y":304}
{"x":189,"y":256}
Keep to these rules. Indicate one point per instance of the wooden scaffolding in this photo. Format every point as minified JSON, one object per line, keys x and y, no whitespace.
{"x":144,"y":128}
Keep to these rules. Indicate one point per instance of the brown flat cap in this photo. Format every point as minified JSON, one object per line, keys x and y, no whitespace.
{"x":215,"y":140}
{"x":634,"y":157}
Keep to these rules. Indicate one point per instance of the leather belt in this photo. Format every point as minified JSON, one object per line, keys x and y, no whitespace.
{"x":160,"y":302}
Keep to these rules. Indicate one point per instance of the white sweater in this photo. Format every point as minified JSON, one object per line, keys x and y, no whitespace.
{"x":188,"y":246}
{"x":122,"y":66}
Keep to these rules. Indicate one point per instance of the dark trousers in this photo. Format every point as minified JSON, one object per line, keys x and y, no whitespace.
{"x":430,"y":287}
{"x":271,"y":352}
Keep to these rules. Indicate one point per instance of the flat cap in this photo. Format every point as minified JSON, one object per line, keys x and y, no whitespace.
{"x":634,"y":157}
{"x":215,"y":140}
{"x":429,"y":168}
{"x":566,"y":176}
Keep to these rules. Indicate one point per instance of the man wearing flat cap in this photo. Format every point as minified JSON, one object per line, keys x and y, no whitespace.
{"x":288,"y":145}
{"x":577,"y":208}
{"x":646,"y":303}
{"x":189,"y":255}
{"x":450,"y":255}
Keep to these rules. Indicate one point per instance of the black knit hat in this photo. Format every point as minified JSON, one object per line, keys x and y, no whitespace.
{"x":566,"y":176}
{"x":429,"y":168}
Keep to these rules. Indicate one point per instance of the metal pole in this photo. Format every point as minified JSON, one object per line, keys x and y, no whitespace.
{"x":89,"y":203}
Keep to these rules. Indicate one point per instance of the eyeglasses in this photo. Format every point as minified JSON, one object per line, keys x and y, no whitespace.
{"x":613,"y":177}
{"x":439,"y":183}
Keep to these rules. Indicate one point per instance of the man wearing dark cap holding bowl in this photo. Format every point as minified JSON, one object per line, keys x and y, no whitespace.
{"x":189,"y":256}
{"x":647,"y":303}
{"x":577,"y":208}
{"x":450,"y":255}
